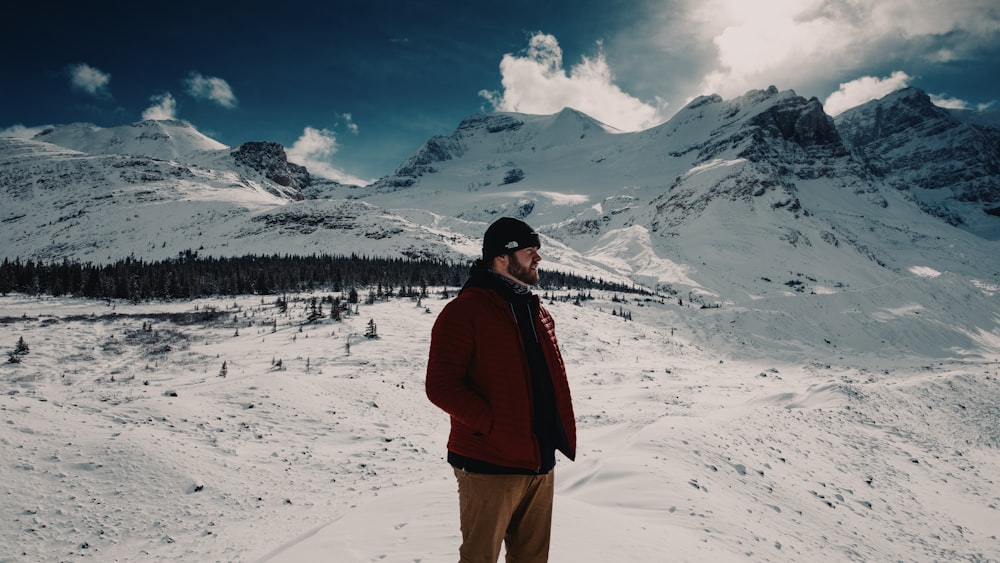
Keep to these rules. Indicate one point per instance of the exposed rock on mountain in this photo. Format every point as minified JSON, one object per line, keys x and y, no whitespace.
{"x":504,"y":132}
{"x":270,"y":160}
{"x":950,"y":166}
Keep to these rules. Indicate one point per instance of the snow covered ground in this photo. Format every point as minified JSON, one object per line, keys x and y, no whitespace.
{"x":122,"y":438}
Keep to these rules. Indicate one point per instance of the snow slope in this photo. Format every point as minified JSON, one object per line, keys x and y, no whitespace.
{"x":123,"y":441}
{"x":160,"y":139}
{"x":60,"y":203}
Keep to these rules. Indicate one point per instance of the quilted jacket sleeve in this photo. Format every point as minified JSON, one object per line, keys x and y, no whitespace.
{"x":451,"y":355}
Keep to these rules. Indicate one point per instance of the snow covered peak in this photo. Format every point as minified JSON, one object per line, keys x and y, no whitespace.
{"x":761,"y":125}
{"x":162,"y":139}
{"x":493,"y":140}
{"x":948,"y":164}
{"x":897,"y":112}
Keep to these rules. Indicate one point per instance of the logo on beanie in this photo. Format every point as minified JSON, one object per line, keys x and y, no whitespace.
{"x":511,"y":244}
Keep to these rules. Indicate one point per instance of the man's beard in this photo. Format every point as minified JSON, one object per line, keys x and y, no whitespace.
{"x":523,"y":274}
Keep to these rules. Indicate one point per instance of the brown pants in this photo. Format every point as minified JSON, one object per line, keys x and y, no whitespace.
{"x":513,"y":509}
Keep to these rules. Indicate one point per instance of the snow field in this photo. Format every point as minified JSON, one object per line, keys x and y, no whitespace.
{"x":122,"y":440}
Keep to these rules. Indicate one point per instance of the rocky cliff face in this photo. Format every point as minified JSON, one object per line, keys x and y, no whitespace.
{"x":781,"y":128}
{"x":916,"y":146}
{"x":442,"y":148}
{"x":270,"y":160}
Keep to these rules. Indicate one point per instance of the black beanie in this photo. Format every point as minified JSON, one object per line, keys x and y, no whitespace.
{"x":507,"y":234}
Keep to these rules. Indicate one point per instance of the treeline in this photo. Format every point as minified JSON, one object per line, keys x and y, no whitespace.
{"x":189,"y":276}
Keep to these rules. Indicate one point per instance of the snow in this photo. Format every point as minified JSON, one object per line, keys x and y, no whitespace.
{"x":556,"y":198}
{"x":924,"y":271}
{"x":692,"y":443}
{"x":163,"y":139}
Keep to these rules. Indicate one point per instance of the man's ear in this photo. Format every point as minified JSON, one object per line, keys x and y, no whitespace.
{"x":500,"y":259}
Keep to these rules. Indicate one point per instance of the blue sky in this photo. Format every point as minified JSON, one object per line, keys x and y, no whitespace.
{"x":352,"y":88}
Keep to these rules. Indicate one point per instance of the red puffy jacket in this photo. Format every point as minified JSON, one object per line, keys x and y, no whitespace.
{"x":478,"y":373}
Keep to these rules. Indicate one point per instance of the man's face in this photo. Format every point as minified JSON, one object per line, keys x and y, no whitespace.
{"x":522,"y":265}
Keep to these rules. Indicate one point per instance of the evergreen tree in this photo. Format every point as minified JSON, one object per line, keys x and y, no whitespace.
{"x":189,"y":275}
{"x":372,"y":331}
{"x":315,"y":312}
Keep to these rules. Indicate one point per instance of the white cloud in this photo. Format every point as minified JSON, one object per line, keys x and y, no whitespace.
{"x":868,"y":88}
{"x":350,"y":124}
{"x":949,"y":103}
{"x":21,"y":132}
{"x":314,"y":150}
{"x":89,"y":79}
{"x":537,"y":83}
{"x":975,"y":20}
{"x":864,"y":89}
{"x":164,"y":107}
{"x":211,"y":88}
{"x":801,"y":44}
{"x":786,"y":43}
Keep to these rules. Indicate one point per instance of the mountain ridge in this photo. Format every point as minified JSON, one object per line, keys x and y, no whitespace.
{"x":768,"y":161}
{"x":890,"y":137}
{"x":762,"y":211}
{"x":163,"y":139}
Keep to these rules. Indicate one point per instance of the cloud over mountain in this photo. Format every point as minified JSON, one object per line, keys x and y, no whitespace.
{"x":164,"y":107}
{"x":536,"y":82}
{"x":315,"y":148}
{"x":90,"y":80}
{"x":211,"y":88}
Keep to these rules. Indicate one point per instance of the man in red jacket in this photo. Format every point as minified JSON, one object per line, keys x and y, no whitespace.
{"x":495,"y":367}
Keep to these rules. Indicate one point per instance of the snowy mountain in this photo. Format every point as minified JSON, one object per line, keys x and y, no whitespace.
{"x":731,"y":202}
{"x":90,"y":205}
{"x":947,"y":159}
{"x":742,"y":204}
{"x":164,"y":140}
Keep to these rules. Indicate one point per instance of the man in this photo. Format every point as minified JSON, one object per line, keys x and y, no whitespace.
{"x":495,"y":367}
